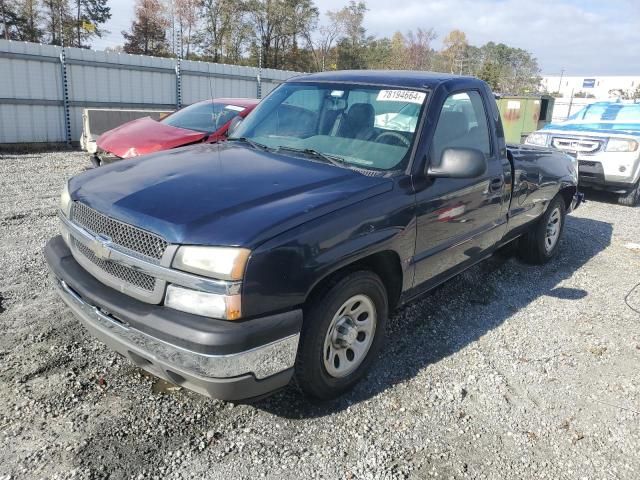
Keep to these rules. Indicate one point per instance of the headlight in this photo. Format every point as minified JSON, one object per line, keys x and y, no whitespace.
{"x":226,"y":307}
{"x":224,"y":263}
{"x":621,"y":145}
{"x":65,"y":200}
{"x":537,"y":138}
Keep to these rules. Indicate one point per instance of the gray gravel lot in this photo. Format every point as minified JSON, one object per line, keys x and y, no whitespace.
{"x":508,"y":371}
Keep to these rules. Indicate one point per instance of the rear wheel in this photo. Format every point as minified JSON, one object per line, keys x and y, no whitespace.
{"x":342,"y":333}
{"x":632,"y":198}
{"x":541,"y":243}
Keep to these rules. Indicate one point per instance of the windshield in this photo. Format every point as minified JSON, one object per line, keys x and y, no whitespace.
{"x":616,"y":112}
{"x":203,"y":117}
{"x":366,"y":127}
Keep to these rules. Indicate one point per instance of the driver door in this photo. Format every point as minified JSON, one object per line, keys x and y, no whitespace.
{"x":458,"y":219}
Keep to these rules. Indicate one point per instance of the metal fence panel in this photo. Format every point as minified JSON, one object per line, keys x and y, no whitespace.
{"x":31,"y":86}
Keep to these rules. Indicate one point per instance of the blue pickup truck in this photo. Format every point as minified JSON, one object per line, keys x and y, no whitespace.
{"x":231,"y":269}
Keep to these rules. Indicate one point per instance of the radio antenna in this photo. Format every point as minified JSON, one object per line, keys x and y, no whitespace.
{"x":213,"y":108}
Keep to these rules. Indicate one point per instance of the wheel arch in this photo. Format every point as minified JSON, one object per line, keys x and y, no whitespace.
{"x":567,"y":193}
{"x":386,"y":264}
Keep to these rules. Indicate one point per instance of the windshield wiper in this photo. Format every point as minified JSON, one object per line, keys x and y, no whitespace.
{"x":332,"y":159}
{"x":256,"y":145}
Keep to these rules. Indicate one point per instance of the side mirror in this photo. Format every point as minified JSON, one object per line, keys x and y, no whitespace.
{"x":460,"y":163}
{"x":235,"y":121}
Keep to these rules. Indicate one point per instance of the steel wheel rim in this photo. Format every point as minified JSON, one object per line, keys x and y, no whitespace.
{"x":554,"y":226}
{"x":349,"y":336}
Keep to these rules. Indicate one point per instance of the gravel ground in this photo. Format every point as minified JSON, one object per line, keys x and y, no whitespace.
{"x":508,"y":371}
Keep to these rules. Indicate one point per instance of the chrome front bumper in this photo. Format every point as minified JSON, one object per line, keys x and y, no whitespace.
{"x":255,"y":371}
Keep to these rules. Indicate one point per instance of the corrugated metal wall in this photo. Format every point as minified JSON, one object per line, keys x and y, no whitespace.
{"x":31,"y":86}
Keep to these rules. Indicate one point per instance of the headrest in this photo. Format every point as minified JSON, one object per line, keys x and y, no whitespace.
{"x":362,"y":113}
{"x":452,"y":125}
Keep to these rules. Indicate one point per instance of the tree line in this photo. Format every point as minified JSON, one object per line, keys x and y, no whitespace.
{"x":283,"y":34}
{"x":70,"y":22}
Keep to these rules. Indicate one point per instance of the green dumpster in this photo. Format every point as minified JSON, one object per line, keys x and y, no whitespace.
{"x":524,"y":114}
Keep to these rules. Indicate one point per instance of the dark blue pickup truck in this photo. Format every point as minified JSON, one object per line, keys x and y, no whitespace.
{"x":231,"y":269}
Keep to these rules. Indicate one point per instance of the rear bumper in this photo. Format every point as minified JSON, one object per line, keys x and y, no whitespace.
{"x":220,"y":359}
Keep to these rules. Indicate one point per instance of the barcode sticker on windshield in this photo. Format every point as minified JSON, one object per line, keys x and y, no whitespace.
{"x":410,"y":96}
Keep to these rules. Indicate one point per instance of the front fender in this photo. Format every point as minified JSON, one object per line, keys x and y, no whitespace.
{"x":283,"y":271}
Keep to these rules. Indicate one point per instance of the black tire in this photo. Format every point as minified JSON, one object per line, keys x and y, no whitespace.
{"x":533,"y":246}
{"x":632,"y":198}
{"x":310,"y":372}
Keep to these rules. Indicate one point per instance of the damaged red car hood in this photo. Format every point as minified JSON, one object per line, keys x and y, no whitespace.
{"x":145,"y":135}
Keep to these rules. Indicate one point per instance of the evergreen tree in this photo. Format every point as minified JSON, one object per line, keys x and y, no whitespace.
{"x":90,"y":14}
{"x":11,"y":20}
{"x":148,"y":30}
{"x":58,"y":20}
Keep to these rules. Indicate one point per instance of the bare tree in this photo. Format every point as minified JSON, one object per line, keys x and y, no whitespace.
{"x":277,"y":25}
{"x":187,"y":16}
{"x":455,"y":44}
{"x":320,"y":40}
{"x":419,"y":51}
{"x":226,"y":31}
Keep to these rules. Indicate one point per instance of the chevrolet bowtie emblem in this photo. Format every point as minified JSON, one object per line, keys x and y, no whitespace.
{"x":100,"y":247}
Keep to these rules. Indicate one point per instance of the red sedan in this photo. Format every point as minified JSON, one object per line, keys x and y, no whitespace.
{"x":206,"y":121}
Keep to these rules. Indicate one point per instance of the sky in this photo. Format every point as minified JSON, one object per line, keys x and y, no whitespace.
{"x":581,"y":37}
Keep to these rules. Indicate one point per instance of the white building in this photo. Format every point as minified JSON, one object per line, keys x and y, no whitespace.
{"x":601,"y":87}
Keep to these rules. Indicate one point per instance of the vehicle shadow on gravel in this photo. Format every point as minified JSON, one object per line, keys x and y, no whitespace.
{"x":600,"y":196}
{"x":456,"y":314}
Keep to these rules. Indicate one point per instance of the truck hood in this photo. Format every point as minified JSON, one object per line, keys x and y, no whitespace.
{"x":221,"y":194}
{"x":145,"y":135}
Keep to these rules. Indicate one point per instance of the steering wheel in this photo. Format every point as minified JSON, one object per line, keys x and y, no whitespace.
{"x":395,"y":135}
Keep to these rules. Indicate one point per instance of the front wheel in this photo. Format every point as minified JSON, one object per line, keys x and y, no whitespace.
{"x":342,"y":333}
{"x":632,"y":198}
{"x":541,"y":243}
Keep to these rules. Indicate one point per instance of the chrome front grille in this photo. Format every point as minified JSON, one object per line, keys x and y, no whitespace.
{"x":126,"y":274}
{"x":122,"y":234}
{"x":577,"y":144}
{"x":145,"y":246}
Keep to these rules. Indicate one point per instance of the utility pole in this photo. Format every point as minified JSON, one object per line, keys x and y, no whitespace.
{"x":570,"y":103}
{"x":560,"y":82}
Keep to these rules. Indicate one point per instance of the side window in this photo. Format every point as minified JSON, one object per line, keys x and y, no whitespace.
{"x":463,"y":124}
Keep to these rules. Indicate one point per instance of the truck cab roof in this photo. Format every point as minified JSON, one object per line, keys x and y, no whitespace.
{"x":397,"y":78}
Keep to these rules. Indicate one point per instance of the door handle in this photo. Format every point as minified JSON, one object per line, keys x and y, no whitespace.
{"x":496,"y":184}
